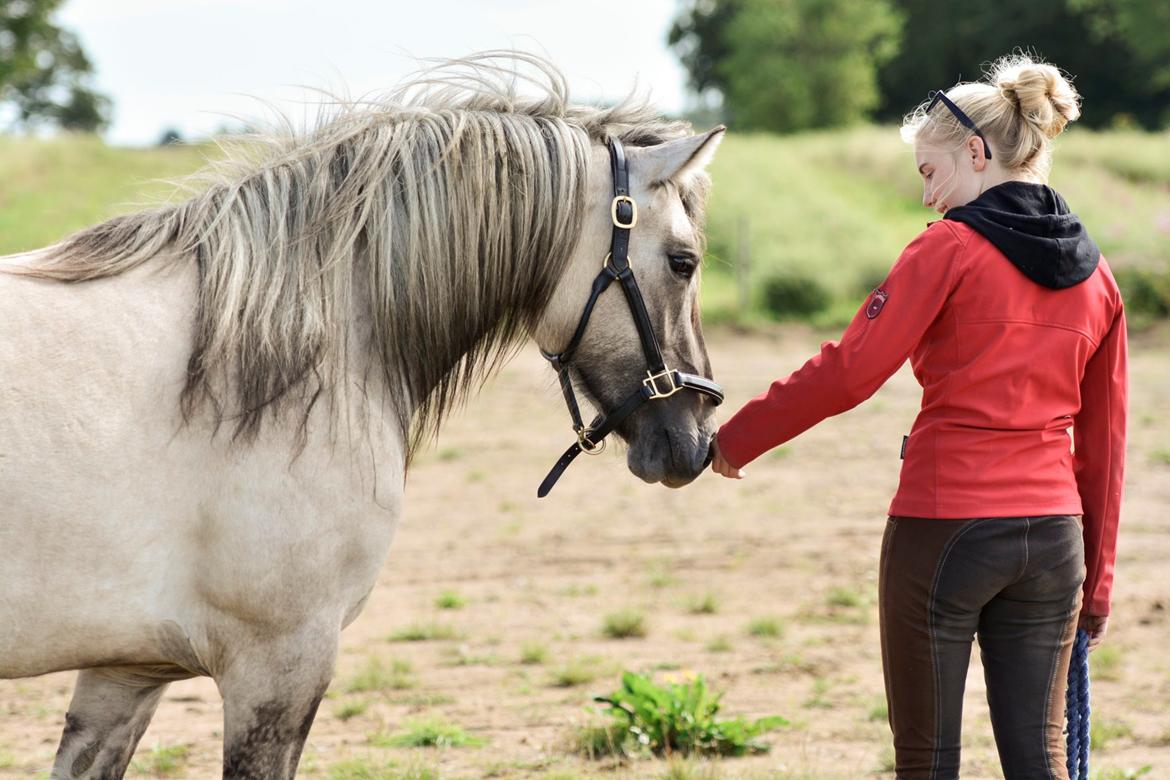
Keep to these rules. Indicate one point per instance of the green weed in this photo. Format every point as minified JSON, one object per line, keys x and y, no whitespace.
{"x":425,"y":632}
{"x":766,"y":628}
{"x":706,"y":604}
{"x":431,"y":732}
{"x":162,"y":761}
{"x":660,"y":577}
{"x":719,"y":644}
{"x":843,"y":597}
{"x":1105,"y":663}
{"x":450,"y":599}
{"x":575,"y":590}
{"x":681,"y":719}
{"x":461,"y":655}
{"x":1123,"y":774}
{"x":600,"y":740}
{"x":533,"y":653}
{"x":377,"y":676}
{"x":818,"y":700}
{"x":350,"y":709}
{"x":577,"y":671}
{"x":624,"y":624}
{"x":424,"y":699}
{"x":1103,"y":732}
{"x":366,"y":769}
{"x":690,"y":770}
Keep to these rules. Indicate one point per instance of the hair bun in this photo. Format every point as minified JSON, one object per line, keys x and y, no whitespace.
{"x":1040,"y":92}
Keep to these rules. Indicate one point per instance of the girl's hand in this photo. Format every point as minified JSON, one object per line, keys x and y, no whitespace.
{"x":1096,"y":626}
{"x":720,"y":465}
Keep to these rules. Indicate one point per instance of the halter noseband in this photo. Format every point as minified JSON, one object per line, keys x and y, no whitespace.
{"x":660,"y":381}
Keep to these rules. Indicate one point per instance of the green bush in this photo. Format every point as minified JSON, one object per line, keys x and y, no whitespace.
{"x":789,"y":295}
{"x":1146,"y":291}
{"x":680,"y":719}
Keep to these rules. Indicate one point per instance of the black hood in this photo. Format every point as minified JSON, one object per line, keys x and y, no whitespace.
{"x":1032,"y":226}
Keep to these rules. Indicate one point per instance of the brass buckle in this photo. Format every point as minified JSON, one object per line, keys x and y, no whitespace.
{"x":613,"y":211}
{"x":651,"y":381}
{"x":609,"y":256}
{"x":587,"y":446}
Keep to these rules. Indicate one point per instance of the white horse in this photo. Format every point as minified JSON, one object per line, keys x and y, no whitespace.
{"x":207,"y":409}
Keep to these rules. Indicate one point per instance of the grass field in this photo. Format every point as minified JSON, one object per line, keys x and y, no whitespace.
{"x":498,"y":616}
{"x":49,"y":189}
{"x":835,"y":206}
{"x":840,"y":206}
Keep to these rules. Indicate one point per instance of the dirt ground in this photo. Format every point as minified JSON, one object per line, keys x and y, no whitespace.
{"x":796,"y":542}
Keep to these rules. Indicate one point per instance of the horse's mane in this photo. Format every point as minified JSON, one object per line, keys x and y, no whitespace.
{"x":455,"y":199}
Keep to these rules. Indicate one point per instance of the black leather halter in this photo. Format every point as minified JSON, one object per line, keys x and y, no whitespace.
{"x":660,"y":381}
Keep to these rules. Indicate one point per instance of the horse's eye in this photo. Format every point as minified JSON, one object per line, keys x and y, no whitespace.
{"x":683,"y":265}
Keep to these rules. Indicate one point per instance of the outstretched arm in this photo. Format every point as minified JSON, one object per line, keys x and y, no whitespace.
{"x":877,"y":342}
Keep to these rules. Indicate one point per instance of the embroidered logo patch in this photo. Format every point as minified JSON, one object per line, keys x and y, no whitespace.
{"x":876,"y":302}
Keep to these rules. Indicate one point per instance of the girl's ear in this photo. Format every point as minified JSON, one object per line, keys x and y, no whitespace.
{"x":978,"y":158}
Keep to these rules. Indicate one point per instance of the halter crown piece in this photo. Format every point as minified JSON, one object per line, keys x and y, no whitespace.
{"x":660,"y":381}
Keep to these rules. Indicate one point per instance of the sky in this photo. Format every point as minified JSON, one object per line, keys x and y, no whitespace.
{"x":194,"y":65}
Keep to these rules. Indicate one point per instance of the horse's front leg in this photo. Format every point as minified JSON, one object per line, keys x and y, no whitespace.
{"x":271,"y":688}
{"x":111,"y":708}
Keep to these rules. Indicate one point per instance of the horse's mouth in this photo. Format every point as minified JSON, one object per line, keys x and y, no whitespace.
{"x":673,"y":458}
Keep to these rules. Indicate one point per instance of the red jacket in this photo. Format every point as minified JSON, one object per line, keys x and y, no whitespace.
{"x":1007,"y":367}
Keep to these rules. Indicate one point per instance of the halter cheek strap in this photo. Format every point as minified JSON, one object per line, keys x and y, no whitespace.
{"x":660,"y":381}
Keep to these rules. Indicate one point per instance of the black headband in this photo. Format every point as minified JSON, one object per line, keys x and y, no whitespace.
{"x":964,"y":120}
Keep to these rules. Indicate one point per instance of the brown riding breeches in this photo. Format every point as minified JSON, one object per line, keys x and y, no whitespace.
{"x":1016,"y":583}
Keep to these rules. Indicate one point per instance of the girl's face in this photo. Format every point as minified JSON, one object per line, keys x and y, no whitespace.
{"x":950,"y":177}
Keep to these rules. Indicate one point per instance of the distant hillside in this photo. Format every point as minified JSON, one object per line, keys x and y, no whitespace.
{"x":839,"y":206}
{"x":835,"y":207}
{"x":51,"y":188}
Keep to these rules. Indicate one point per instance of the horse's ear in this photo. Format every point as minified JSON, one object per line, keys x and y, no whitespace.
{"x":677,"y":160}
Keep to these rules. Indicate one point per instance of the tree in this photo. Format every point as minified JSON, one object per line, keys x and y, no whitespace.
{"x":44,"y":71}
{"x":788,"y":64}
{"x":1142,"y":24}
{"x":951,"y":40}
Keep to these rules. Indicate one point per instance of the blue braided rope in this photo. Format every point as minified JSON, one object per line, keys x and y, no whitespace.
{"x":1077,"y":709}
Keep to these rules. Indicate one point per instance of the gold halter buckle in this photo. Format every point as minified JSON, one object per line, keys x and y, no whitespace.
{"x":651,"y":381}
{"x":613,"y":215}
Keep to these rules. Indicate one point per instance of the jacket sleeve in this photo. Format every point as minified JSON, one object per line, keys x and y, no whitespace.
{"x":1099,"y":460}
{"x":877,"y":342}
